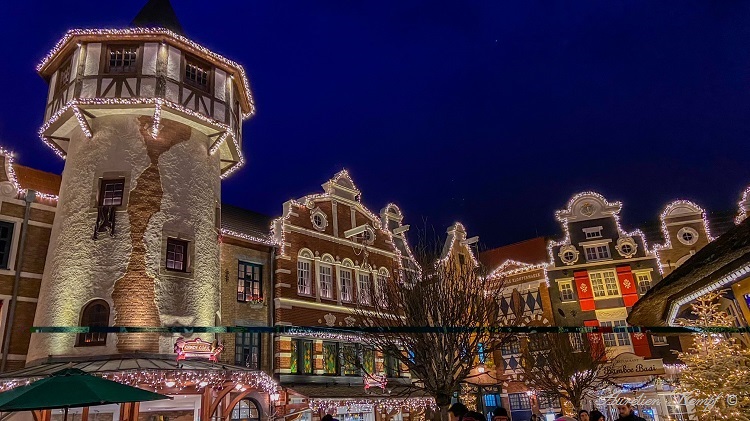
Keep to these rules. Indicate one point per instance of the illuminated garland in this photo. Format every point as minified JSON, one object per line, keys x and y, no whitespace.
{"x":158,"y":104}
{"x":149,"y":31}
{"x":743,"y":205}
{"x":269,"y":241}
{"x":386,"y":405}
{"x":180,"y":379}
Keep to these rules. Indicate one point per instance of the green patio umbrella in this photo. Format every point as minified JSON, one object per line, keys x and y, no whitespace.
{"x":72,"y":388}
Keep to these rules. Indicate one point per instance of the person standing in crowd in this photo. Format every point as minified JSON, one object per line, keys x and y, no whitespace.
{"x":627,"y":413}
{"x":583,"y":415}
{"x":473,"y":416}
{"x":457,"y":411}
{"x":596,"y":416}
{"x":500,"y":414}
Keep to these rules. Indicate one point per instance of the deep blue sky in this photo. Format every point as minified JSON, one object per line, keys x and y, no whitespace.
{"x":491,"y":113}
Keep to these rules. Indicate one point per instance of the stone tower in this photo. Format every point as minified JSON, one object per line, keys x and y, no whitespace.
{"x":148,"y":123}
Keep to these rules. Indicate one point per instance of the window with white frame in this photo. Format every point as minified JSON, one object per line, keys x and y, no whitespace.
{"x":644,"y":282}
{"x":363,"y":285}
{"x":616,"y":339}
{"x":566,"y":290}
{"x":325,"y":273}
{"x":597,"y":252}
{"x":659,"y":340}
{"x":304,"y":278}
{"x":604,"y":283}
{"x":345,"y":275}
{"x":593,"y":232}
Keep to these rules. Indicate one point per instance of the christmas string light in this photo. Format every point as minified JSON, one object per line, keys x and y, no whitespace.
{"x":157,"y":119}
{"x":10,"y":159}
{"x":158,"y":104}
{"x":180,"y":379}
{"x":134,"y":32}
{"x":215,"y":147}
{"x":266,"y":241}
{"x":743,"y":205}
{"x":82,"y":121}
{"x":383,"y":404}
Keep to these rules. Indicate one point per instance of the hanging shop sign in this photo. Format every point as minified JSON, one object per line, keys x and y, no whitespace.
{"x":197,"y":348}
{"x":630,"y":365}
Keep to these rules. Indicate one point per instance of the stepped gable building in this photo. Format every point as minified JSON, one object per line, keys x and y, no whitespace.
{"x":148,"y":122}
{"x":22,"y":255}
{"x":334,"y":255}
{"x":520,"y":269}
{"x":597,"y":272}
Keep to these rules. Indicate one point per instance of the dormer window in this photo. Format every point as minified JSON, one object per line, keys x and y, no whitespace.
{"x":593,"y":232}
{"x":122,"y":58}
{"x":197,"y":73}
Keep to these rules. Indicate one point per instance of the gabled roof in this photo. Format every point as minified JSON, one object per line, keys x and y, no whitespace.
{"x":532,"y":251}
{"x":247,"y":223}
{"x":699,"y":273}
{"x":158,"y":13}
{"x":40,"y":181}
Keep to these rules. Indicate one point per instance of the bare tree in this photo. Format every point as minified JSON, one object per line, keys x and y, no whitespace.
{"x":433,"y":321}
{"x":564,"y":366}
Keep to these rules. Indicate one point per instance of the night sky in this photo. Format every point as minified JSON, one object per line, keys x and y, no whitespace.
{"x":489,"y":113}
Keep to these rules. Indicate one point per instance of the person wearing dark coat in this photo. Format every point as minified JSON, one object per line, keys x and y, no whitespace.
{"x":627,"y":413}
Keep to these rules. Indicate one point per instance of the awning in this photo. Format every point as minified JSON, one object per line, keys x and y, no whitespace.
{"x":153,"y":370}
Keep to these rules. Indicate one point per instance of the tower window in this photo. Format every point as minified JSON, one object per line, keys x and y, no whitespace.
{"x":63,"y":77}
{"x":6,"y":237}
{"x":111,"y":192}
{"x":95,"y":314}
{"x":177,"y":254}
{"x":122,"y":58}
{"x":197,"y":73}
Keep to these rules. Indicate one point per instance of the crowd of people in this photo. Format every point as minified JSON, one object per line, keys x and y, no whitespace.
{"x":459,"y":412}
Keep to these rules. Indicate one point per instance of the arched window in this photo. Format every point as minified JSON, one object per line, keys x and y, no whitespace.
{"x":94,"y":314}
{"x":246,"y":410}
{"x":304,"y":272}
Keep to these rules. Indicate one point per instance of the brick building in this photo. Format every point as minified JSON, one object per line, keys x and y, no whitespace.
{"x":334,"y":255}
{"x":15,"y":183}
{"x":247,"y":256}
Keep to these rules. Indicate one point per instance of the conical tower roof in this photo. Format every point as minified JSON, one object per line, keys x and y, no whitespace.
{"x":158,"y":13}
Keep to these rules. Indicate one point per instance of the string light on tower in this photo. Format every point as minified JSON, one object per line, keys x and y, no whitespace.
{"x":169,"y":36}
